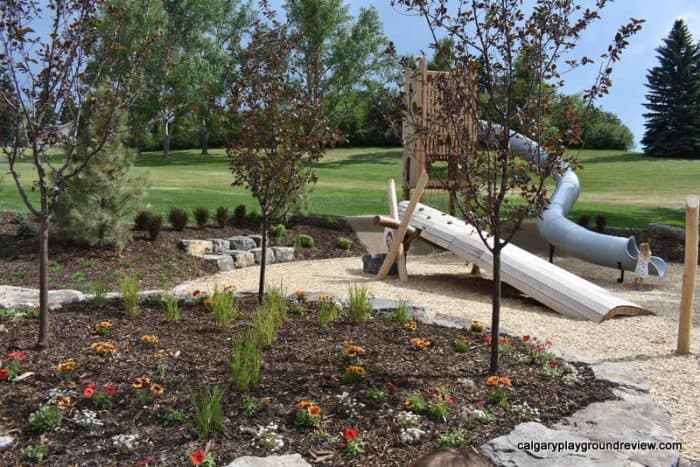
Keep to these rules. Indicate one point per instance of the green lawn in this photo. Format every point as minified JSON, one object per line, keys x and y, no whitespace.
{"x":629,"y":188}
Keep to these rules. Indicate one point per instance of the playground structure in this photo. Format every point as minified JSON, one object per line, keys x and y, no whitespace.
{"x":421,"y":151}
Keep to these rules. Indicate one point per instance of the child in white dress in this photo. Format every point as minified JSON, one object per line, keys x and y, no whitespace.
{"x":641,"y":271}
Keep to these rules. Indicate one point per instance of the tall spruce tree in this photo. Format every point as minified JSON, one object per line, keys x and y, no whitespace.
{"x":673,"y":120}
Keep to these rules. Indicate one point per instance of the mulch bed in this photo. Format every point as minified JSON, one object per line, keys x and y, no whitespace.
{"x":158,"y":264}
{"x":304,"y":363}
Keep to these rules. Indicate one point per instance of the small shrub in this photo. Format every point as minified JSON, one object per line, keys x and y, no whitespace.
{"x":378,"y":394}
{"x":221,"y":216}
{"x":155,"y":223}
{"x":174,"y":418}
{"x":246,"y":361}
{"x":46,"y":418}
{"x":327,"y":312}
{"x":100,"y":290}
{"x":305,"y":241}
{"x":278,"y":232}
{"x":239,"y":213}
{"x":201,"y":216}
{"x":172,"y":308}
{"x":401,"y":314}
{"x":452,"y":439}
{"x":263,"y":326}
{"x":415,"y":403}
{"x":250,"y":405}
{"x":252,"y":217}
{"x":332,"y":223}
{"x":130,"y":295}
{"x":35,"y":453}
{"x":462,"y":346}
{"x":178,"y":218}
{"x":208,"y":409}
{"x":343,"y":243}
{"x":360,"y":307}
{"x":223,"y":304}
{"x":25,"y":230}
{"x":141,"y":220}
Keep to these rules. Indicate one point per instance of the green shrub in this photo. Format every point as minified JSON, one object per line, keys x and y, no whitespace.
{"x":207,"y":404}
{"x":100,"y":290}
{"x":462,"y":346}
{"x":35,"y":453}
{"x":46,"y":418}
{"x":174,"y":418}
{"x":278,"y":233}
{"x":141,"y":220}
{"x":178,"y":218}
{"x":328,"y":312}
{"x":250,"y":405}
{"x":305,"y":241}
{"x":201,"y":216}
{"x":401,"y":314}
{"x":415,"y":403}
{"x":360,"y":308}
{"x":332,"y":223}
{"x":155,"y":223}
{"x":223,"y":304}
{"x":343,"y":243}
{"x":172,"y":308}
{"x":452,"y":439}
{"x":26,"y":230}
{"x":252,"y":217}
{"x":239,"y":213}
{"x":221,"y":216}
{"x":245,"y":362}
{"x":129,"y":288}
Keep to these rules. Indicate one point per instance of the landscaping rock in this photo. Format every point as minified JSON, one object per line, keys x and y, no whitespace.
{"x":11,"y":296}
{"x":283,"y":254}
{"x":197,"y":247}
{"x":625,"y":375}
{"x":6,"y":442}
{"x":220,"y":246}
{"x":242,"y":258}
{"x":290,"y":460}
{"x":371,"y":264}
{"x":223,"y":262}
{"x":269,"y":254}
{"x":388,"y":305}
{"x":242,"y":242}
{"x":257,"y":238}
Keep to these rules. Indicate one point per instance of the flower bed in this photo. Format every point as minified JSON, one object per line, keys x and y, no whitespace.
{"x":374,"y":393}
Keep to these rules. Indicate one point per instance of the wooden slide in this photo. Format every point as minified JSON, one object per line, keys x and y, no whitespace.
{"x":550,"y":285}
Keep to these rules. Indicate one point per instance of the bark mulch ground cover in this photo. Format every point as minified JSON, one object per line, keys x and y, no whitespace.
{"x":305,"y":365}
{"x":158,"y":264}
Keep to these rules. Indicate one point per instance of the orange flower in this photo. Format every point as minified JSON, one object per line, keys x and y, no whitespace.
{"x":230,"y":288}
{"x":355,"y":370}
{"x":492,"y":381}
{"x":505,"y":381}
{"x":149,"y":340}
{"x":207,"y":302}
{"x":142,"y":382}
{"x":314,"y":410}
{"x":103,"y":325}
{"x":66,"y":367}
{"x":410,"y":326}
{"x":351,"y":351}
{"x":325,"y":298}
{"x":420,"y":343}
{"x":304,"y":404}
{"x":104,"y":349}
{"x":62,"y":401}
{"x":157,"y":389}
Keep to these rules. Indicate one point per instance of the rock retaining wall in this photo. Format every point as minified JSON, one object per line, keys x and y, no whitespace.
{"x":236,"y":252}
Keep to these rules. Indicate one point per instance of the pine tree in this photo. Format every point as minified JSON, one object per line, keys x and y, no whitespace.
{"x":99,"y":204}
{"x":673,"y":120}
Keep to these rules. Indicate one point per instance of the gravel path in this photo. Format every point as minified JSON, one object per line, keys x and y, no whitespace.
{"x":440,"y":282}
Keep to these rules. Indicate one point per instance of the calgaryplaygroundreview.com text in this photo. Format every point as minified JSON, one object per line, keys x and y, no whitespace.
{"x":585,"y":446}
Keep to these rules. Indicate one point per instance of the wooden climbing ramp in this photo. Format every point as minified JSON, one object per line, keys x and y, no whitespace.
{"x":560,"y":290}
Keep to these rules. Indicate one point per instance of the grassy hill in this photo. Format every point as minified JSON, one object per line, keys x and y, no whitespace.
{"x":628,"y":188}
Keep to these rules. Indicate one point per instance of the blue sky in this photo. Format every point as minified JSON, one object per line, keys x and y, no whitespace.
{"x":627,"y":94}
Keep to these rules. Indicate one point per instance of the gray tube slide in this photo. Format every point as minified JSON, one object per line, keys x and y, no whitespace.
{"x":567,"y":236}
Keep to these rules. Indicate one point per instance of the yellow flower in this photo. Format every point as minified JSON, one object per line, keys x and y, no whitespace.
{"x":325,"y":298}
{"x":149,"y":340}
{"x":230,"y":288}
{"x":355,"y":370}
{"x":62,"y":401}
{"x":104,"y":348}
{"x":304,"y":404}
{"x":420,"y":343}
{"x":142,"y":382}
{"x":66,"y":367}
{"x":104,"y":325}
{"x":157,"y":389}
{"x":477,"y":326}
{"x":410,"y":326}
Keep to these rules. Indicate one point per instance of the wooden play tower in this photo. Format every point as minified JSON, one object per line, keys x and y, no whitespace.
{"x":425,"y":150}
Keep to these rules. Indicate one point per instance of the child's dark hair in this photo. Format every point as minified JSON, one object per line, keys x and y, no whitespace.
{"x":451,"y":458}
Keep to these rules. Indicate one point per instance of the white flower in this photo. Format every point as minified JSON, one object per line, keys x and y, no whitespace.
{"x":410,"y":435}
{"x":467,"y":383}
{"x":407,"y":419}
{"x":56,"y":392}
{"x":526,"y":412}
{"x":268,"y":439}
{"x":87,"y":419}
{"x":349,"y":406}
{"x":124,"y":442}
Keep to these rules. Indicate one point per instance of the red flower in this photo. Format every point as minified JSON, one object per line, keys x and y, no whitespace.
{"x":3,"y":373}
{"x":110,"y":390}
{"x":89,"y":390}
{"x":487,"y":339}
{"x":17,"y":355}
{"x":145,"y":461}
{"x":552,"y":364}
{"x":436,"y":392}
{"x":194,"y":294}
{"x":350,"y":434}
{"x":526,"y":338}
{"x":450,"y":400}
{"x":548,"y":343}
{"x":198,"y":457}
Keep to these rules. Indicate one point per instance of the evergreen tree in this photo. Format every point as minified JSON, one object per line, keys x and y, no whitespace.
{"x":673,"y":120}
{"x":99,"y":204}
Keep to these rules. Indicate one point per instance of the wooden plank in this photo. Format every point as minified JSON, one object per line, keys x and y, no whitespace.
{"x":394,"y":212}
{"x":690,"y":270}
{"x":401,"y":233}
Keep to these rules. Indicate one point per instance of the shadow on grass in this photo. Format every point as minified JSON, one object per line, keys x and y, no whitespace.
{"x":636,"y":217}
{"x":621,"y":157}
{"x":180,"y":158}
{"x":364,"y":158}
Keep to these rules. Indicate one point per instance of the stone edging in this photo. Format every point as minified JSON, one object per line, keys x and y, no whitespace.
{"x":236,"y":252}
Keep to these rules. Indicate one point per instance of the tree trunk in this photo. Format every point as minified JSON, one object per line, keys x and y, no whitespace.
{"x":263,"y":259}
{"x":44,"y":280}
{"x":205,"y":137}
{"x":166,"y":139}
{"x":495,"y":307}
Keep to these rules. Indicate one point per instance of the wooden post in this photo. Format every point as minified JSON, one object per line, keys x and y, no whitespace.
{"x":401,"y":233}
{"x":394,"y":212}
{"x":685,"y":319}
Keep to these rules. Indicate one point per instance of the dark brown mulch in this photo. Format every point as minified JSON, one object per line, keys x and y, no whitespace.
{"x":304,"y":363}
{"x":157,"y":263}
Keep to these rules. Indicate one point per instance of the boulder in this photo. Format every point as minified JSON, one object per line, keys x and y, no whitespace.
{"x":242,"y":258}
{"x":223,"y":262}
{"x":220,"y":246}
{"x":371,"y":264}
{"x":241,"y":242}
{"x":11,"y":296}
{"x":290,"y":460}
{"x":257,"y":239}
{"x":269,"y":254}
{"x":283,"y":254}
{"x":197,"y":247}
